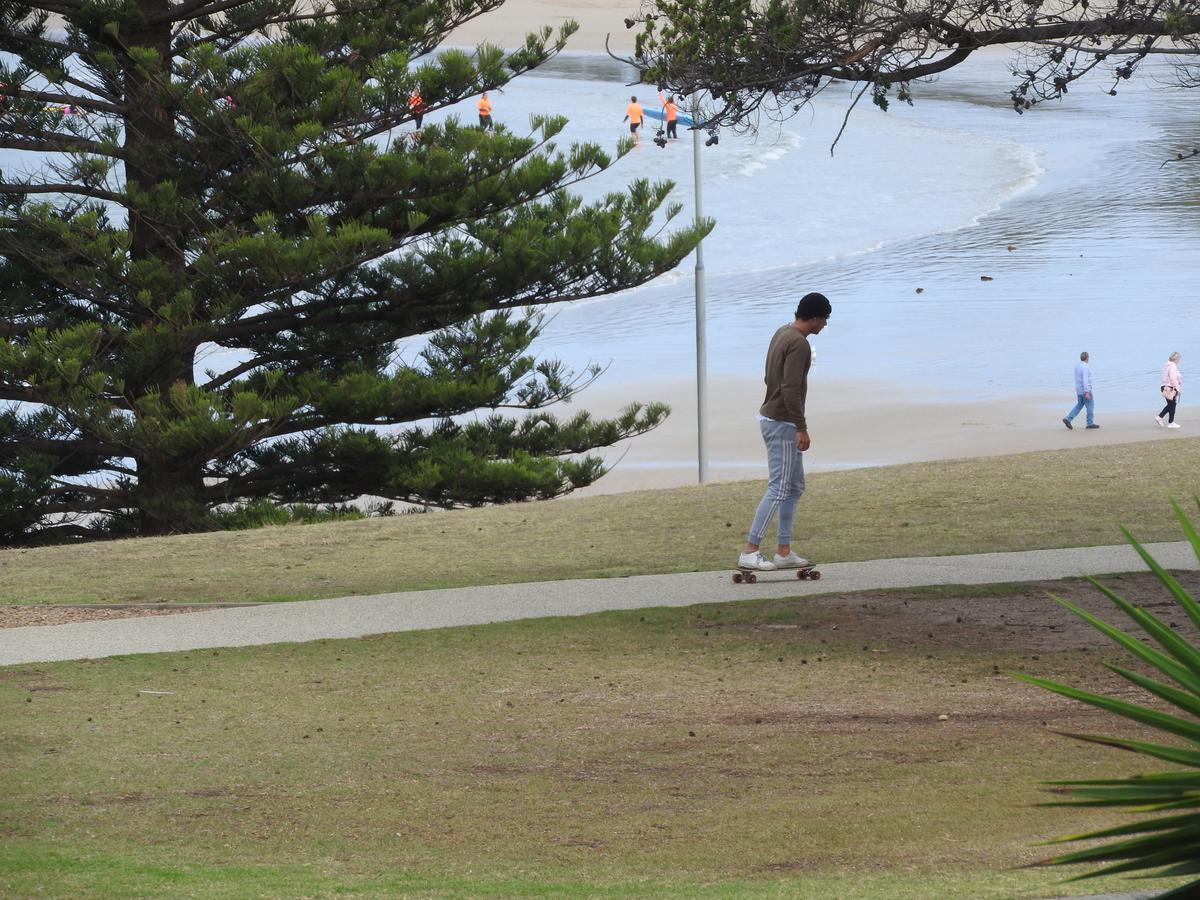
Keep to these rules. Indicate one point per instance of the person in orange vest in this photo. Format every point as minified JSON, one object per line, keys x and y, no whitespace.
{"x":634,"y":116}
{"x":416,"y":106}
{"x":485,"y":112}
{"x":671,"y":111}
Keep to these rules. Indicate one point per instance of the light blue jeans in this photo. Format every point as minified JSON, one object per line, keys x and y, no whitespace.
{"x":1090,"y":404}
{"x":785,"y":481}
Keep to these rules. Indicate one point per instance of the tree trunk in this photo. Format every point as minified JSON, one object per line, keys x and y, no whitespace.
{"x":170,"y":498}
{"x":149,"y":137}
{"x":170,"y":489}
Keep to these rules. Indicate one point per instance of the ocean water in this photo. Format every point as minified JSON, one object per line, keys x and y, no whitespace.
{"x":1089,"y":241}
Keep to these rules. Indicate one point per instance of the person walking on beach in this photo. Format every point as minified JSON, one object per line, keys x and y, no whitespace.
{"x":485,"y":112}
{"x":785,"y":432}
{"x":634,"y":116}
{"x":670,"y":113}
{"x":1083,"y":392}
{"x":1172,"y":384}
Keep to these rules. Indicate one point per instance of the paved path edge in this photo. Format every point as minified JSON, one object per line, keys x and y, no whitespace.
{"x":349,"y":617}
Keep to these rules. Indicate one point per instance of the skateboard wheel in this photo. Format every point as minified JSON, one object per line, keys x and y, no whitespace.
{"x":737,"y":578}
{"x":751,"y":578}
{"x":815,"y":576}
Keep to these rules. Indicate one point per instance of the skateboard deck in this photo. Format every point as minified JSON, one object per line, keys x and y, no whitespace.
{"x":750,"y":576}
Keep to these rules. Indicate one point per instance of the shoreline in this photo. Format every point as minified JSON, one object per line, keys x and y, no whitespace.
{"x":601,"y":22}
{"x":853,"y":426}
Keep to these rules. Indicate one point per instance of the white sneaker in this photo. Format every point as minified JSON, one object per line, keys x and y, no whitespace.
{"x":1173,"y":425}
{"x":791,"y":561}
{"x":1159,"y":420}
{"x":755,"y":560}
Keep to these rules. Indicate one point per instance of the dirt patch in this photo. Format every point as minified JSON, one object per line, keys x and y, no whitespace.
{"x":848,"y":743}
{"x":20,"y":616}
{"x":1007,"y":618}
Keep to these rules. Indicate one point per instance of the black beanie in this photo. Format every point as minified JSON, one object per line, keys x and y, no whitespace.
{"x":813,"y":306}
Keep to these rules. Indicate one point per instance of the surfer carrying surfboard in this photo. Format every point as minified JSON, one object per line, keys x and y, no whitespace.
{"x":671,"y":111}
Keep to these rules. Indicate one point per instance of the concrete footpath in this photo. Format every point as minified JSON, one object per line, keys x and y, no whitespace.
{"x":348,"y":617}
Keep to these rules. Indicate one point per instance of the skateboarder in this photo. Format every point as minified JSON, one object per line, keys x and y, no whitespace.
{"x":785,"y":432}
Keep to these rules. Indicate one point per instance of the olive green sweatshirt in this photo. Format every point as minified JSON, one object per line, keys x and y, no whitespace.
{"x":788,"y":361}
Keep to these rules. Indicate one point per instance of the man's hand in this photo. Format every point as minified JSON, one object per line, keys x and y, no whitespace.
{"x":802,"y":441}
{"x":1087,"y":395}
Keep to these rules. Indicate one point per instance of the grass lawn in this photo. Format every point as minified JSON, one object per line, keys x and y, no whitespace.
{"x":757,"y":749}
{"x":1069,"y":498}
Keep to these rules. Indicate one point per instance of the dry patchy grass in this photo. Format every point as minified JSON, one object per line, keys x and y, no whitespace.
{"x":784,"y":748}
{"x":1027,"y":501}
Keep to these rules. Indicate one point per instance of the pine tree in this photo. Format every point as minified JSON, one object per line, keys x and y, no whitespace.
{"x":244,"y":176}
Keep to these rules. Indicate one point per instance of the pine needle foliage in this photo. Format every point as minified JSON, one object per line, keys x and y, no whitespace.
{"x":1168,"y":842}
{"x":243,"y":181}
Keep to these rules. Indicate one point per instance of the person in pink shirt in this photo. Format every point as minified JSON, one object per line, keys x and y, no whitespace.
{"x":1172,"y":384}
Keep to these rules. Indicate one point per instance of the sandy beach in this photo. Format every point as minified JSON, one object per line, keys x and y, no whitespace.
{"x":598,"y":20}
{"x":887,"y":421}
{"x":851,"y":425}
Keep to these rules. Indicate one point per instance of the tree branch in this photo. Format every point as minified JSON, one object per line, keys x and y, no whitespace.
{"x":65,"y":99}
{"x":65,"y":446}
{"x":192,"y":10}
{"x":57,"y":142}
{"x":1179,"y":157}
{"x":57,"y":7}
{"x":764,"y":62}
{"x":20,"y":394}
{"x":233,"y":374}
{"x":99,"y":505}
{"x":37,"y":40}
{"x":65,"y":188}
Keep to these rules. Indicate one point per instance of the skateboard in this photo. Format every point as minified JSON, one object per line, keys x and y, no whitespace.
{"x":750,"y":576}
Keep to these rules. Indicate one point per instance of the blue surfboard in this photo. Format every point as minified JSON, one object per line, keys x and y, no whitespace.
{"x":659,"y":116}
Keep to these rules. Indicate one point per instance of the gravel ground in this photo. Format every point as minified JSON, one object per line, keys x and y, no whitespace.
{"x":18,"y":616}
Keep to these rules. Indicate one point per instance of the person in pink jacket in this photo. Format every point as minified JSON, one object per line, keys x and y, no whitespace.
{"x":1174,"y":381}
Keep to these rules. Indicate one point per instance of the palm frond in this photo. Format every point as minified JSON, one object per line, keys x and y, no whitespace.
{"x":1162,"y":846}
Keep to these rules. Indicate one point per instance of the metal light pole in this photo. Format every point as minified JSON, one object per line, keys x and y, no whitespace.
{"x":701,"y":336}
